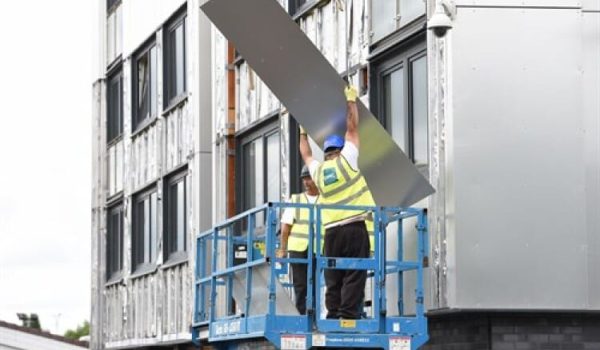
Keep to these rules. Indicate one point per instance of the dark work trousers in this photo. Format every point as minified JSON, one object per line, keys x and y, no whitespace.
{"x":300,"y":280}
{"x":346,"y":288}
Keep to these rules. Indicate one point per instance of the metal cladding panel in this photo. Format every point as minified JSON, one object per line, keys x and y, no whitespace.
{"x":591,"y":5}
{"x":311,"y":89}
{"x":519,"y":236}
{"x":591,"y":93}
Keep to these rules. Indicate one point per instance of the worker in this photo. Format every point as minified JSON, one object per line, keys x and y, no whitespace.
{"x":294,"y":237}
{"x":346,"y":234}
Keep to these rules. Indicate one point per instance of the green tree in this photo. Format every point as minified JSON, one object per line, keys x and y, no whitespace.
{"x":80,"y":331}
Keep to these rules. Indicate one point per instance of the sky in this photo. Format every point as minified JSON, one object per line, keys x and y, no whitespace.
{"x":45,"y":155}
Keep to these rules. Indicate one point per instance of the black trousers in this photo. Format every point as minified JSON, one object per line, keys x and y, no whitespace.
{"x":346,"y":288}
{"x":300,"y":280}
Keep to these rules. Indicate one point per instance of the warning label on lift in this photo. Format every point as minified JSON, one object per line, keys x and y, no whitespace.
{"x":293,"y":342}
{"x":399,"y":343}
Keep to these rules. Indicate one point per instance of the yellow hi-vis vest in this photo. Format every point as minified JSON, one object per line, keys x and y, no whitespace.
{"x":339,"y":184}
{"x":298,"y":238}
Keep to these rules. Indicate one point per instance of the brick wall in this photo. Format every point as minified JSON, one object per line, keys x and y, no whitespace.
{"x":514,"y":331}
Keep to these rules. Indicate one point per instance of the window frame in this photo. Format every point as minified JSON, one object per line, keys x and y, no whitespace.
{"x":401,"y":56}
{"x":174,"y":256}
{"x":261,"y":129}
{"x":115,"y":71}
{"x":170,"y":98}
{"x":140,"y":267}
{"x":138,"y":124}
{"x":114,"y":274}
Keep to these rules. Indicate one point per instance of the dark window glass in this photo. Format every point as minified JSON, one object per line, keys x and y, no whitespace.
{"x":114,"y":241}
{"x":144,"y":229}
{"x":176,"y":218}
{"x":111,"y":3}
{"x":144,"y":86}
{"x":174,"y":57}
{"x":419,"y":110}
{"x":273,"y":168}
{"x":250,"y":176}
{"x":114,"y":104}
{"x":295,"y":5}
{"x":395,"y":106}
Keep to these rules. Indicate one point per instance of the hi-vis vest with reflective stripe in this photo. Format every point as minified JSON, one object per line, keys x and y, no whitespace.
{"x":339,"y":184}
{"x":298,"y":239}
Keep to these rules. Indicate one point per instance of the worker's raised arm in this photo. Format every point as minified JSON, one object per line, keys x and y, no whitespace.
{"x":352,"y":116}
{"x":305,"y":150}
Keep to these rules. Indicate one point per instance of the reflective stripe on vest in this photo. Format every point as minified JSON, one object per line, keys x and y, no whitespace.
{"x":298,"y":238}
{"x":339,"y":184}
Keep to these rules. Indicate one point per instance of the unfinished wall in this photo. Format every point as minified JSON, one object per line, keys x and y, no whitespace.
{"x":154,"y":307}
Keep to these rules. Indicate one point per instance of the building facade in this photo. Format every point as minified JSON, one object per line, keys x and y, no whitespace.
{"x":502,"y":115}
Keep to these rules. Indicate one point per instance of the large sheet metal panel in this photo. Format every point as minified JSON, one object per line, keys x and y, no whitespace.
{"x":518,"y":230}
{"x":304,"y":81}
{"x":260,"y":293}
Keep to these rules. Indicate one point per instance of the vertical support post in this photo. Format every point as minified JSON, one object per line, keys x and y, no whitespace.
{"x":400,"y":254}
{"x":309,"y":264}
{"x":229,"y":278}
{"x":319,"y":269}
{"x":213,"y":279}
{"x":250,"y":257}
{"x":199,"y":294}
{"x":270,"y":251}
{"x":422,"y":232}
{"x":379,"y":275}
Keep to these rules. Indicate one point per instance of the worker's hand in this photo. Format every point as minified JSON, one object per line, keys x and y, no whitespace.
{"x":302,"y":131}
{"x":351,"y":93}
{"x":280,"y":253}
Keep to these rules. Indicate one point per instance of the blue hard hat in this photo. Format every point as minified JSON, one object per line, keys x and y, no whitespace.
{"x":333,"y":141}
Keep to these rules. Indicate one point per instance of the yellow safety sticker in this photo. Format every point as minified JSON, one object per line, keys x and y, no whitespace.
{"x":348,"y":323}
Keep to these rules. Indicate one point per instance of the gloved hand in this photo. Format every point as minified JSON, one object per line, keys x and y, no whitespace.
{"x":351,"y":93}
{"x":302,"y":131}
{"x":280,"y":253}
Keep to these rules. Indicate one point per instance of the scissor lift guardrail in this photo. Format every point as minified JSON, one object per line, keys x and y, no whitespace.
{"x":259,"y":314}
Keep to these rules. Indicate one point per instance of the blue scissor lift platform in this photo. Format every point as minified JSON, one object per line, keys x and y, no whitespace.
{"x":242,"y":291}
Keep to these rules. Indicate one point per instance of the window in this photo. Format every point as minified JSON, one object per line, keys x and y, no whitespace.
{"x":144,"y":86}
{"x":144,"y":230}
{"x":114,"y":242}
{"x":260,"y":168}
{"x":389,"y":15}
{"x":400,"y":100}
{"x":110,"y":4}
{"x":174,"y":60}
{"x":295,"y":5}
{"x":175,"y":217}
{"x":114,"y":103}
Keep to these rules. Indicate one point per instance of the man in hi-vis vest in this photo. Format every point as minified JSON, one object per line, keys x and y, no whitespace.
{"x":346,"y":231}
{"x":294,"y":237}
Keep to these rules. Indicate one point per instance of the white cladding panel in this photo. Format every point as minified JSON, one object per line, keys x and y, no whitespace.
{"x":519,"y":235}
